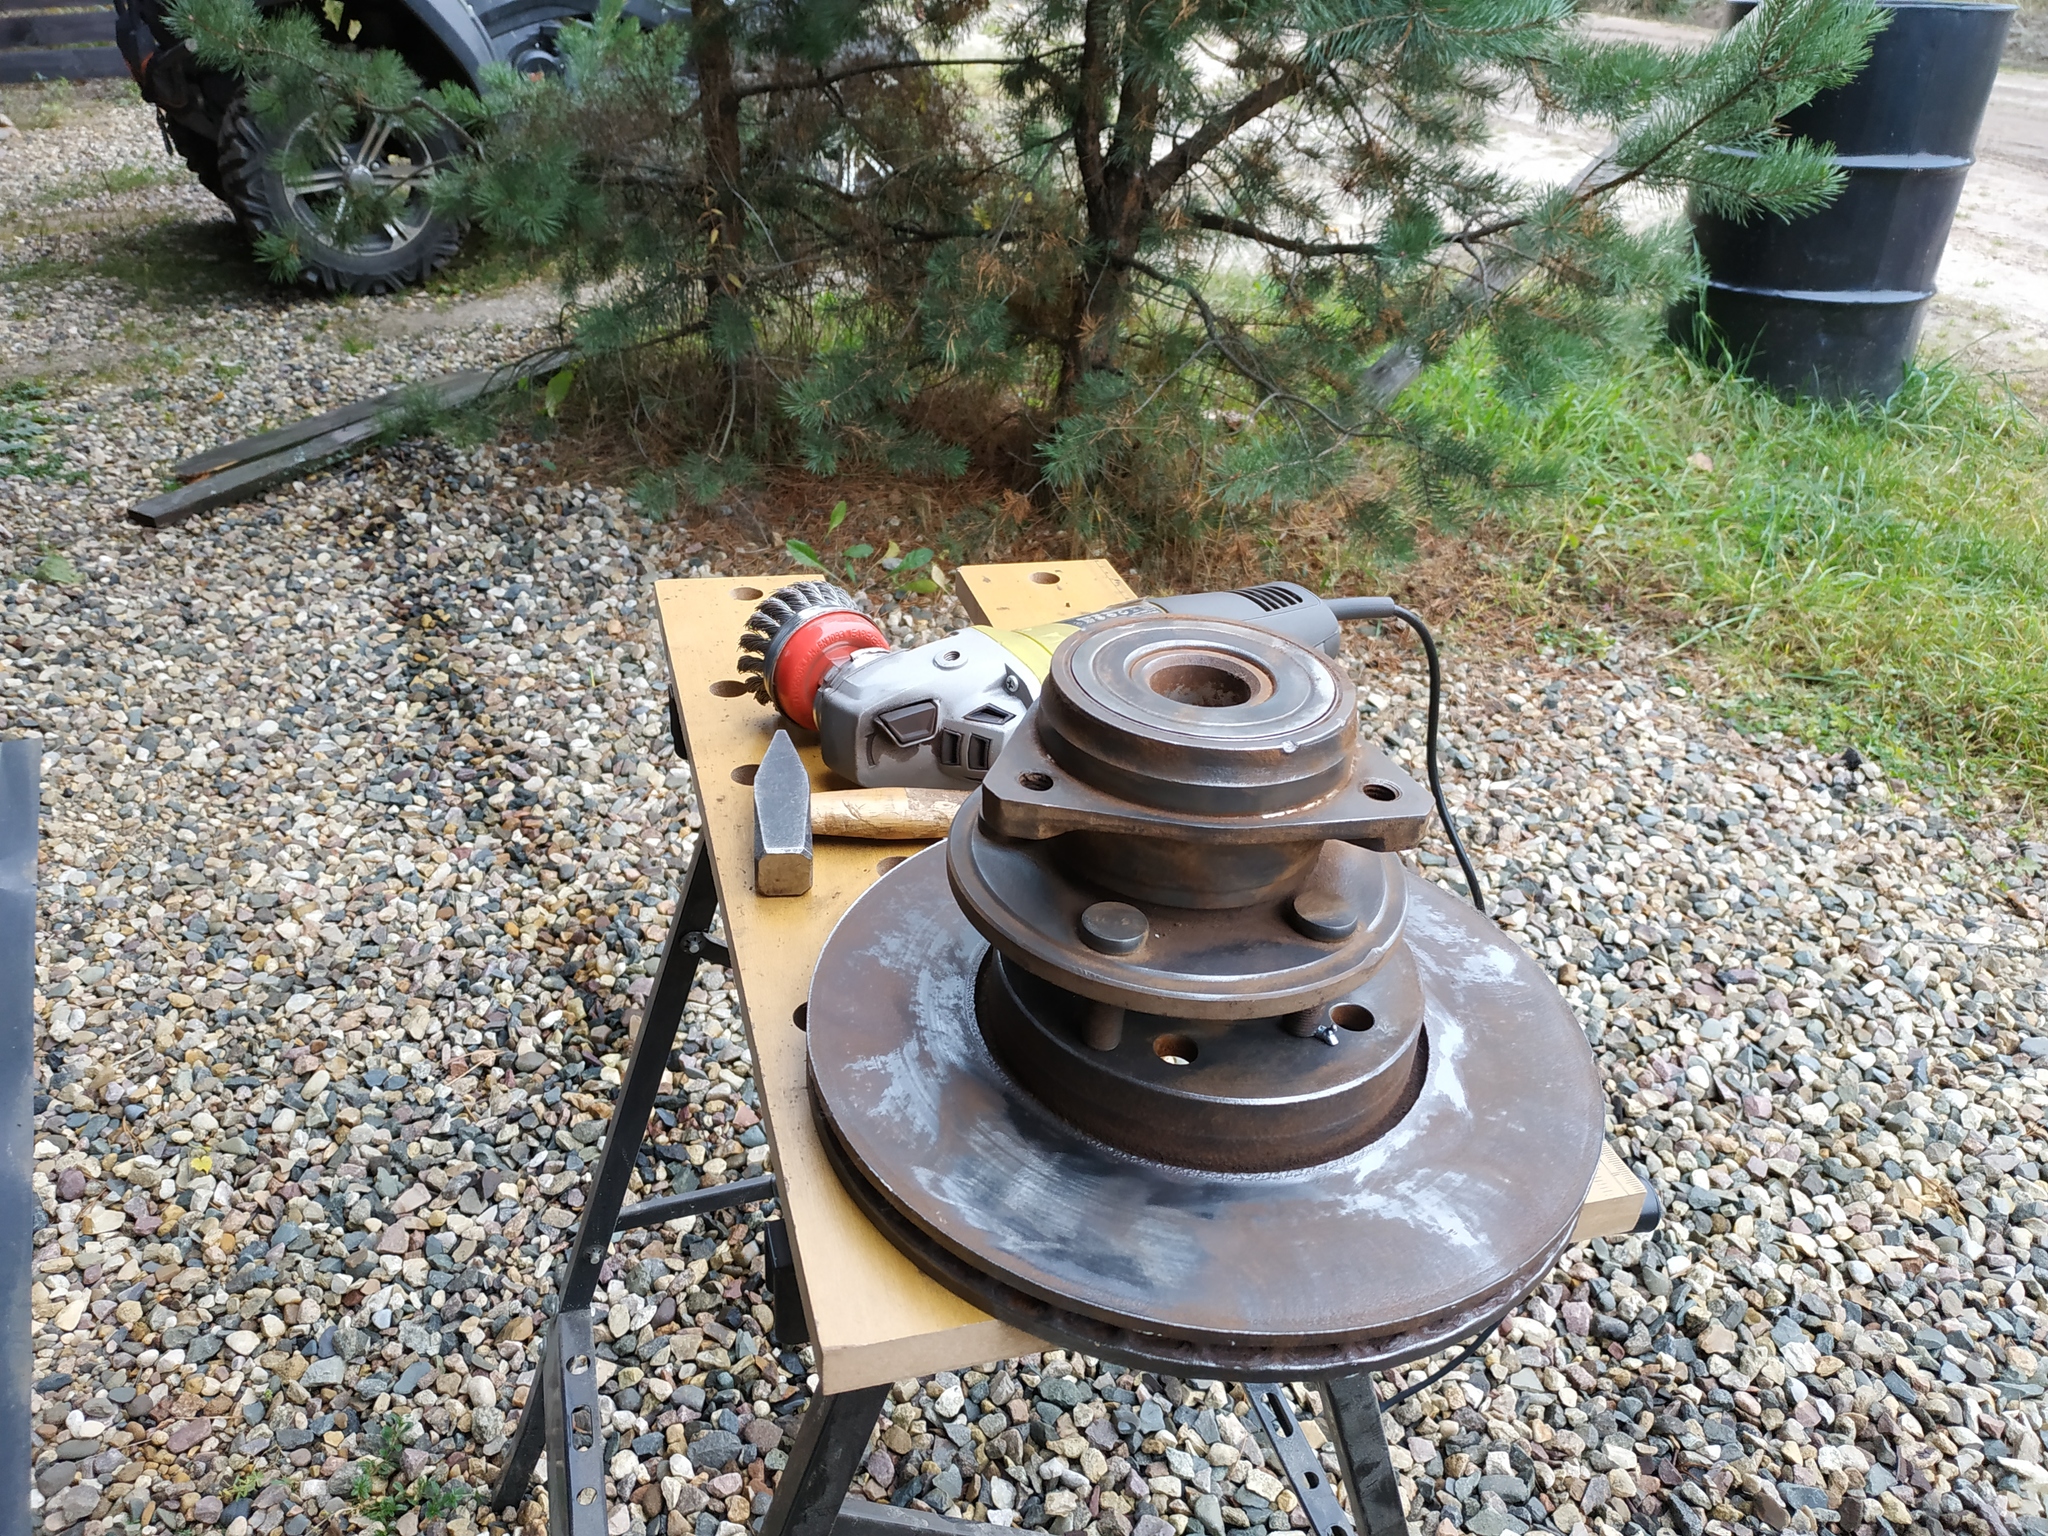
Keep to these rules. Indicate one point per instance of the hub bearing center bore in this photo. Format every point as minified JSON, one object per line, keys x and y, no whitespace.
{"x":1165,"y":1054}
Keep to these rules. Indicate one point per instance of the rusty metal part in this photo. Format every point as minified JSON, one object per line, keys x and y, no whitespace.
{"x":1165,"y":1055}
{"x":1199,"y":962}
{"x":1383,"y":1255}
{"x":1156,"y":780}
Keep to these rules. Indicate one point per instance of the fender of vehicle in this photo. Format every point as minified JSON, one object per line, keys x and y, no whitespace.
{"x":455,"y":26}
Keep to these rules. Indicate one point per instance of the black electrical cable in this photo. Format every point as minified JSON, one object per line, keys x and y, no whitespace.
{"x":1472,"y":1348}
{"x":1383,"y":608}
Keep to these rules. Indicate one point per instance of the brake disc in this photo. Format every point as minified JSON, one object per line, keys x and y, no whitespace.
{"x":1165,"y":1054}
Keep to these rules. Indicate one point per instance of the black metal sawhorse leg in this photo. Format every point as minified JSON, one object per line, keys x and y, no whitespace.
{"x":562,"y":1415}
{"x":812,"y":1499}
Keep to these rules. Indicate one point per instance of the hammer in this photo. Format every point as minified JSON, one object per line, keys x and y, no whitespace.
{"x":787,"y":815}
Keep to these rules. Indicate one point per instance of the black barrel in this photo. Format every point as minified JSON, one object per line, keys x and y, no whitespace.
{"x":1830,"y":304}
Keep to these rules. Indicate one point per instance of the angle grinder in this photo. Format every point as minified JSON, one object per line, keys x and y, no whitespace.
{"x":938,"y":715}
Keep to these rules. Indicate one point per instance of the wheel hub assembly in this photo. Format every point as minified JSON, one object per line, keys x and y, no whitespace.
{"x":1165,"y":1054}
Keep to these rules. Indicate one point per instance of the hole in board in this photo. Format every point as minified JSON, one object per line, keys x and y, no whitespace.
{"x":1274,"y":1403}
{"x":1037,"y":781}
{"x":1174,"y":1050}
{"x":802,"y":1017}
{"x":1352,"y":1017}
{"x":1381,"y":792}
{"x":745,"y":594}
{"x":744,"y":774}
{"x":889,"y":863}
{"x":729,"y":688}
{"x":1046,"y":578}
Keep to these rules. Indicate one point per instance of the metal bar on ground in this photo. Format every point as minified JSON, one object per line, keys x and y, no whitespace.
{"x":576,"y":1454}
{"x":687,"y":946}
{"x":831,"y":1438}
{"x":695,"y":1202}
{"x":1353,"y":1403}
{"x":1304,"y":1468}
{"x":20,"y":816}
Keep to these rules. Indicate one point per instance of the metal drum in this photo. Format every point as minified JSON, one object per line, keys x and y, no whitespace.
{"x":1830,"y":305}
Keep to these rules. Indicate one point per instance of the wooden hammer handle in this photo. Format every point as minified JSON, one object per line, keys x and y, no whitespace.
{"x":884,"y":815}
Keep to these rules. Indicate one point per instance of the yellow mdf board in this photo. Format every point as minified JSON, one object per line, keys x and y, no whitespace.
{"x":874,"y":1316}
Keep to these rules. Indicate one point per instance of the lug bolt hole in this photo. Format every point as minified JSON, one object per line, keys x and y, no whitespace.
{"x":1174,"y":1050}
{"x":1039,"y":782}
{"x":1381,"y":792}
{"x":1352,"y":1017}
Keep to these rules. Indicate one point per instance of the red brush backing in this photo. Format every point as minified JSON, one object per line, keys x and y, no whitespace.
{"x":812,"y":650}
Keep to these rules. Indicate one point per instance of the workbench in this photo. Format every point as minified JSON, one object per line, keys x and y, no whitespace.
{"x":873,"y":1318}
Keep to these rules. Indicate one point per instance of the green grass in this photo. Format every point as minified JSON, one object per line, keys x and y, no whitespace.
{"x":114,"y":179}
{"x":1876,"y":576}
{"x":46,"y":104}
{"x":382,"y":1496}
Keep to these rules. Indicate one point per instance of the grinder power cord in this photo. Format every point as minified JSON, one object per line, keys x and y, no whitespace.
{"x":937,"y":716}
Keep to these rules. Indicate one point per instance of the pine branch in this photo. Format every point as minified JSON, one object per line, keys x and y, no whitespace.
{"x":819,"y":80}
{"x":1228,"y":226}
{"x":1206,"y":139}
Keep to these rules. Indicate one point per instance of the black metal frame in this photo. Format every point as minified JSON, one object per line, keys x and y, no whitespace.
{"x":562,"y":1416}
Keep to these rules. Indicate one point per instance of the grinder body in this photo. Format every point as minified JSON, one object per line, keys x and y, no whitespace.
{"x":937,"y":715}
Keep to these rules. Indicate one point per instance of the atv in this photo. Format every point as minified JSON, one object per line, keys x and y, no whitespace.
{"x":206,"y":120}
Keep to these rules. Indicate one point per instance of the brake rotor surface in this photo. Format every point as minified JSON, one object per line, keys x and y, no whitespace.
{"x":1166,"y":1055}
{"x":1383,"y":1255}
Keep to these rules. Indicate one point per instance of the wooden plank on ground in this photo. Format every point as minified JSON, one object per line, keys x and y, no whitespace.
{"x":252,"y":479}
{"x":31,"y":64}
{"x":1614,"y":1202}
{"x":454,"y":390}
{"x":236,"y":471}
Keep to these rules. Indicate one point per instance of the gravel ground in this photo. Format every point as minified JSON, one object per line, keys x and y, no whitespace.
{"x":362,"y":837}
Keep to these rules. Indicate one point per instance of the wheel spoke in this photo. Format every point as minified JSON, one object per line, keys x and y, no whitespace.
{"x":316,"y":181}
{"x":373,"y":141}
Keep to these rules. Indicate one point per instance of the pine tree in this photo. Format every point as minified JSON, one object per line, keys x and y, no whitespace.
{"x":1189,"y":251}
